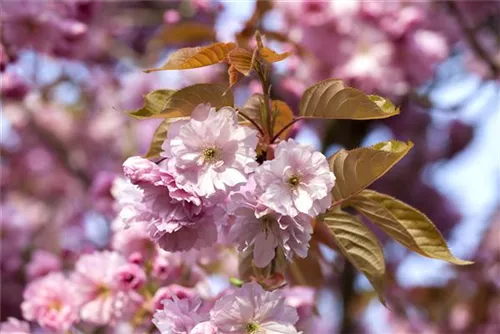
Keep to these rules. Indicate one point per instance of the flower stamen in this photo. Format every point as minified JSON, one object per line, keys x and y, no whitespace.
{"x":294,"y":181}
{"x":211,"y":154}
{"x":252,"y":328}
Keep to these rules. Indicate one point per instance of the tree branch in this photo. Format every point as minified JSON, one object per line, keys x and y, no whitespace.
{"x":470,"y":35}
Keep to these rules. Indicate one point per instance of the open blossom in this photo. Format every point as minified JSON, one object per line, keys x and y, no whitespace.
{"x":14,"y":326}
{"x":104,"y":297}
{"x":52,"y":301}
{"x":212,"y":153}
{"x":42,"y":263}
{"x":251,"y":309}
{"x":174,"y":217}
{"x":263,"y":229}
{"x":297,"y":180}
{"x":179,"y":316}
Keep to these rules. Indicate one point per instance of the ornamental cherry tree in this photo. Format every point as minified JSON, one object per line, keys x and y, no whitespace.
{"x":217,"y":173}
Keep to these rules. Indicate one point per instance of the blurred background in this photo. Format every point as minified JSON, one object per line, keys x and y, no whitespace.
{"x":72,"y":69}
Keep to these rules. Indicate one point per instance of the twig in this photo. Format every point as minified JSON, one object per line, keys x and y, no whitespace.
{"x":295,"y":120}
{"x":347,"y":290}
{"x":248,"y":118}
{"x":470,"y":35}
{"x":60,"y":150}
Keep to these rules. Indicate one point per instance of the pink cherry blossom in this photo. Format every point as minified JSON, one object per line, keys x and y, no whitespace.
{"x":42,"y":263}
{"x":179,"y":316}
{"x":205,"y":327}
{"x":130,"y":277}
{"x":103,"y":297}
{"x":174,"y":217}
{"x":14,"y":326}
{"x":297,"y":180}
{"x":211,"y":152}
{"x":168,"y":292}
{"x":258,"y":227}
{"x":251,"y":309}
{"x":52,"y":301}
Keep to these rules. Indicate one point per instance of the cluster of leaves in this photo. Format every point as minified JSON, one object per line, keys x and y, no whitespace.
{"x":341,"y":227}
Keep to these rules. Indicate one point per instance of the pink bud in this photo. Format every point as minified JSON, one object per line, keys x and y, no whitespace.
{"x":168,"y":292}
{"x":136,"y":258}
{"x":130,"y":277}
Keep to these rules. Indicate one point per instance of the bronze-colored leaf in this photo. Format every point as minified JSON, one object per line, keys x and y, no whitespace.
{"x":357,"y":169}
{"x":154,"y":104}
{"x":404,"y":224}
{"x":359,"y":245}
{"x":201,"y":56}
{"x":272,"y":56}
{"x":242,"y":60}
{"x":282,"y":115}
{"x":307,"y":271}
{"x":252,"y":108}
{"x":331,"y":99}
{"x":182,"y":102}
{"x":158,"y":138}
{"x":184,"y":32}
{"x":234,"y":76}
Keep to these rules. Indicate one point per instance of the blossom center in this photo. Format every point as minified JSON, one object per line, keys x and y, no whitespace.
{"x":211,"y":154}
{"x":252,"y":328}
{"x":294,"y":181}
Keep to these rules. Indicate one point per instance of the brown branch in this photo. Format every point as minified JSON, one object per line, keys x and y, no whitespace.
{"x":59,"y":149}
{"x":470,"y":35}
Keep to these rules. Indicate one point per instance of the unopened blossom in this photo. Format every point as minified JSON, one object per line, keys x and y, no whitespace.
{"x":167,"y":266}
{"x":104,"y":299}
{"x":130,"y":276}
{"x":42,"y":262}
{"x":258,"y":227}
{"x":179,"y":316}
{"x":14,"y":326}
{"x":168,"y":292}
{"x":211,"y":152}
{"x":52,"y":301}
{"x":297,"y":180}
{"x":251,"y":309}
{"x":175,"y":218}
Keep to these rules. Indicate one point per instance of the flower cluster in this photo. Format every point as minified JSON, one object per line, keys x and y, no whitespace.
{"x":208,"y":184}
{"x":246,"y":310}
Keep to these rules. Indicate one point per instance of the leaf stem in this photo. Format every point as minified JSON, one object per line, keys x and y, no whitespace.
{"x":248,"y":118}
{"x":295,"y":120}
{"x":262,"y":71}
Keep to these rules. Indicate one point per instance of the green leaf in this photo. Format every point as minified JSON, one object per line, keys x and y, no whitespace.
{"x":405,"y":224}
{"x":188,"y":58}
{"x":357,"y":169}
{"x":154,"y":104}
{"x":359,"y":245}
{"x":331,"y":99}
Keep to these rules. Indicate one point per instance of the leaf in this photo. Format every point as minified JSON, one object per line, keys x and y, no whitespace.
{"x":283,"y":116}
{"x":154,"y":103}
{"x":357,"y":169}
{"x":307,"y":271}
{"x":184,"y":32}
{"x":331,"y":99}
{"x":158,"y":139}
{"x":242,"y":60}
{"x":283,"y":113}
{"x":359,"y":245}
{"x":187,"y":58}
{"x":272,"y":56}
{"x":182,"y":102}
{"x":405,"y":224}
{"x":234,"y":76}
